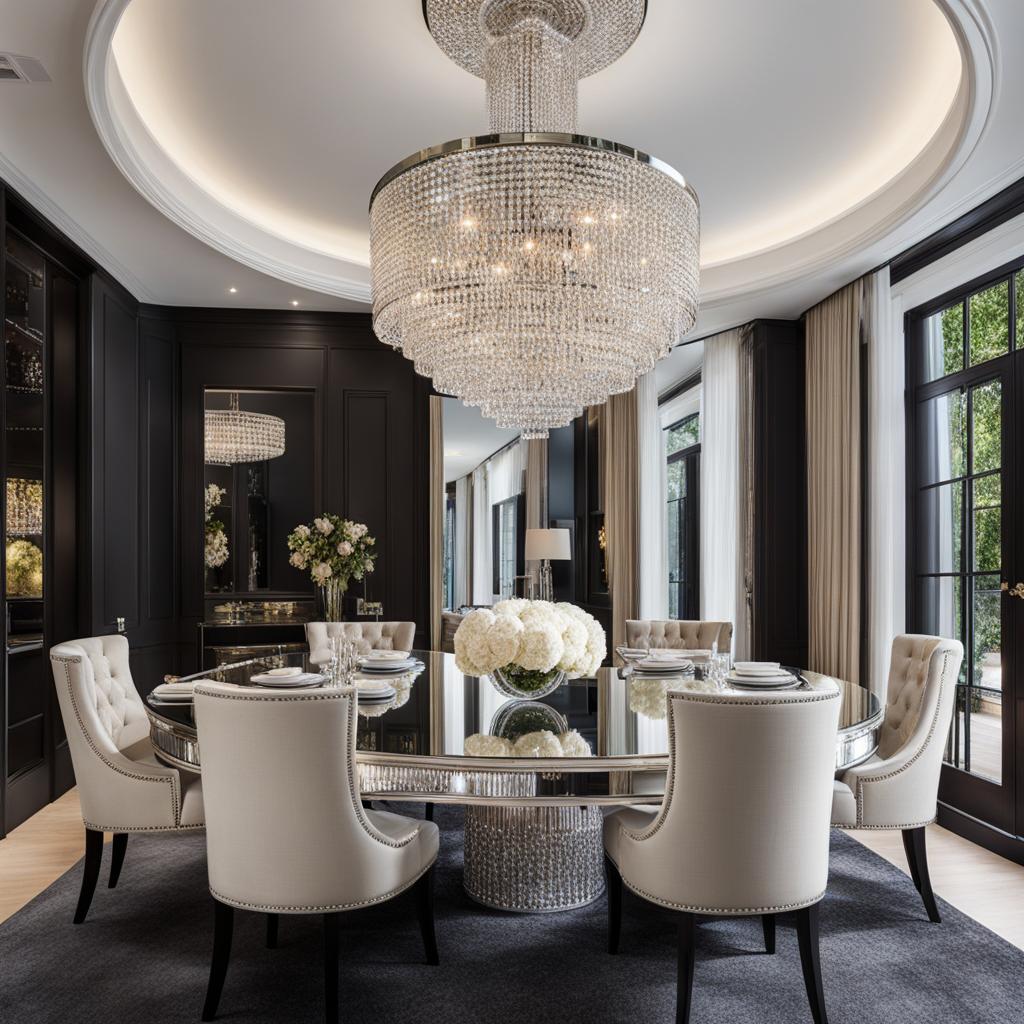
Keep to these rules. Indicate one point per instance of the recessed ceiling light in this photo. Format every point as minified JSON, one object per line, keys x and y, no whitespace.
{"x":233,"y":290}
{"x":295,"y":302}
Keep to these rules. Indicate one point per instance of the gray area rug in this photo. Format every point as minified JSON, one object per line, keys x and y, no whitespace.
{"x":143,"y":956}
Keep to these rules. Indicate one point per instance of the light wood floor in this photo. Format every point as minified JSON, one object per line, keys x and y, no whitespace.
{"x":982,"y":885}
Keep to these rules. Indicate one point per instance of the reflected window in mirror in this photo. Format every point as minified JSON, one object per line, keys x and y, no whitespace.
{"x":259,"y":482}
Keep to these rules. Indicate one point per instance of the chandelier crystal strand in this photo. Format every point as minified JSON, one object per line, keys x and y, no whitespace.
{"x":24,"y":507}
{"x":532,"y":273}
{"x":233,"y":435}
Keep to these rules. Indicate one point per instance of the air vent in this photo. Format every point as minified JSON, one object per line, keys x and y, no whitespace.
{"x":16,"y":68}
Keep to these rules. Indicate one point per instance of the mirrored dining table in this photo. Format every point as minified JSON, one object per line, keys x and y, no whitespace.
{"x":533,"y":824}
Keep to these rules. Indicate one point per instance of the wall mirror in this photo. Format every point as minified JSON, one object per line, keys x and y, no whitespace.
{"x":259,"y":483}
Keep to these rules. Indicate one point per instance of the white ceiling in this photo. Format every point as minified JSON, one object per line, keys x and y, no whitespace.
{"x":469,"y":438}
{"x":261,"y":127}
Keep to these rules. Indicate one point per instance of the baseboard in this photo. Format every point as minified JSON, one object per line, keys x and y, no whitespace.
{"x":981,"y":833}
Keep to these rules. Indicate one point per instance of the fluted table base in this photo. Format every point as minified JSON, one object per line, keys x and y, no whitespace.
{"x":534,"y":860}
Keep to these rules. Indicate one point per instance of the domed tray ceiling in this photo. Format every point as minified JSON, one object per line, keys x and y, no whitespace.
{"x":808,"y":129}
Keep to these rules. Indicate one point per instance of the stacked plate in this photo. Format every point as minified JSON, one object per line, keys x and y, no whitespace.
{"x":373,"y":691}
{"x":662,"y":663}
{"x":285,"y":678}
{"x":761,"y":675}
{"x":176,"y":693}
{"x":387,"y":662}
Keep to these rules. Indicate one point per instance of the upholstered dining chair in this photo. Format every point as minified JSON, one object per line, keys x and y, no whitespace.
{"x":368,"y":636}
{"x":744,"y":827}
{"x":897,"y":788}
{"x":285,"y":829}
{"x":679,"y":634}
{"x":121,"y":785}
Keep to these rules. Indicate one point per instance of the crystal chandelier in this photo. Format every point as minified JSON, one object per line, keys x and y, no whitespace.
{"x":234,"y":435}
{"x":533,"y":272}
{"x":24,"y":507}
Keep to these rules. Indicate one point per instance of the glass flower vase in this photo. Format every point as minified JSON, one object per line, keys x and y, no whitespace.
{"x":332,"y":596}
{"x":515,"y":681}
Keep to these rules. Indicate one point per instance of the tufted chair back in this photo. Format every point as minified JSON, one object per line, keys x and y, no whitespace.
{"x":121,"y":786}
{"x":368,"y":636}
{"x":678,"y":634}
{"x":910,"y":671}
{"x":285,"y":827}
{"x":744,"y":828}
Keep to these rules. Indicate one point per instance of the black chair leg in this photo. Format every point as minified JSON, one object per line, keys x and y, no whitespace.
{"x":271,"y":931}
{"x":684,"y":975}
{"x":613,"y":880}
{"x":331,"y":927}
{"x":90,"y":873}
{"x":914,"y":844}
{"x":118,"y":850}
{"x":223,"y":926}
{"x":768,"y":927}
{"x":429,"y":812}
{"x":425,"y":912}
{"x":810,"y":959}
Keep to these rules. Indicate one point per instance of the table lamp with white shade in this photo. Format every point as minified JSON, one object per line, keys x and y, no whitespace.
{"x":544,"y":546}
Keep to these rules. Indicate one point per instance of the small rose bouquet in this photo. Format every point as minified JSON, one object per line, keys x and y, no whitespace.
{"x":217,"y":551}
{"x":334,"y":550}
{"x":527,"y":641}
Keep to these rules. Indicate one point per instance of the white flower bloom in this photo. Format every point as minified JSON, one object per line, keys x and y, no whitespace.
{"x":647,"y":697}
{"x":503,"y":639}
{"x":541,"y":647}
{"x":323,"y":525}
{"x":298,"y":559}
{"x":574,"y":745}
{"x":344,"y":549}
{"x":510,"y":606}
{"x":321,"y":572}
{"x":543,"y":743}
{"x":480,"y":745}
{"x":303,"y":531}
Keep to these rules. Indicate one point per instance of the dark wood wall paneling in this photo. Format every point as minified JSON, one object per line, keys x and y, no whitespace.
{"x":780,"y":493}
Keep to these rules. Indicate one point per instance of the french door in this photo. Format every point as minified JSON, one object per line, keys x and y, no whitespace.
{"x":965,"y":550}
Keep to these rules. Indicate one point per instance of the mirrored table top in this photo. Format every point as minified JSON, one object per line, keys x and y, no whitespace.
{"x":442,"y":717}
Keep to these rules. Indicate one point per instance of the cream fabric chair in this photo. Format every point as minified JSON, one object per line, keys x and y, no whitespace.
{"x":744,"y":827}
{"x":678,"y":634}
{"x":368,"y":636}
{"x":898,"y":787}
{"x":121,"y":785}
{"x":286,"y":833}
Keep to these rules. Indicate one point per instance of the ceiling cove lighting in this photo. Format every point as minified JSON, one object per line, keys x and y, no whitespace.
{"x":533,"y":271}
{"x":233,"y":435}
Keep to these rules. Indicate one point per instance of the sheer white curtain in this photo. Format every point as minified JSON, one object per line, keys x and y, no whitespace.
{"x":463,"y":550}
{"x":652,"y":527}
{"x":505,"y":472}
{"x":722,"y":591}
{"x":481,"y":537}
{"x":886,"y":527}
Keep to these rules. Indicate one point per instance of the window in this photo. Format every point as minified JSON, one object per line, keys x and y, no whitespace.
{"x":448,"y":576}
{"x":507,"y":525}
{"x":682,"y":453}
{"x":962,"y":372}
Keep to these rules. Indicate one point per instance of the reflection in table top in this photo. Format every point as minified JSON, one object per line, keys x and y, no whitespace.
{"x":623,"y":720}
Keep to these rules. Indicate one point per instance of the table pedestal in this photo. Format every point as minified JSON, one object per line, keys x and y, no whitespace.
{"x":534,"y":860}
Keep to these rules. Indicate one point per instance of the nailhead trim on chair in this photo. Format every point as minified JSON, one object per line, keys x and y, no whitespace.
{"x":145,"y":828}
{"x":78,"y":660}
{"x":268,"y":908}
{"x":861,"y":782}
{"x":335,"y":693}
{"x":734,"y":911}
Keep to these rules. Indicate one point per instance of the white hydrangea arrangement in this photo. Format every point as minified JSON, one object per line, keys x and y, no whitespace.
{"x":528,"y":640}
{"x":216,"y":550}
{"x":648,"y":697}
{"x":542,"y":743}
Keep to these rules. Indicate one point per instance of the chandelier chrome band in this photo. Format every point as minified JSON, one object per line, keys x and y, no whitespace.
{"x":527,"y":138}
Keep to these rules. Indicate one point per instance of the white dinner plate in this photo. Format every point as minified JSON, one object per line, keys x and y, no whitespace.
{"x":757,"y":668}
{"x":383,"y":656}
{"x":173,"y":693}
{"x":287,"y":682}
{"x":394,"y":668}
{"x":662,"y":665}
{"x":758,"y":682}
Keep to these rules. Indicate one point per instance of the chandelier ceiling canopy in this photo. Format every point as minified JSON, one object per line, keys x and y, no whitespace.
{"x":234,"y":435}
{"x":533,"y":271}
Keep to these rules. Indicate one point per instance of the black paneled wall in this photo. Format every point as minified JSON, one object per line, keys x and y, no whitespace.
{"x":150,"y":367}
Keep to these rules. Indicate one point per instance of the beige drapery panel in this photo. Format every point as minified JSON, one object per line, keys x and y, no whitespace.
{"x":834,"y":483}
{"x":622,"y":509}
{"x":536,"y":492}
{"x":436,"y":519}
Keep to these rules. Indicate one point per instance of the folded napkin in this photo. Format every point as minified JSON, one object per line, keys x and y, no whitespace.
{"x":180,"y":687}
{"x":287,"y":670}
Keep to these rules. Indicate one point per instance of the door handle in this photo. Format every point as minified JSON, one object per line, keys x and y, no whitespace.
{"x":1015,"y":591}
